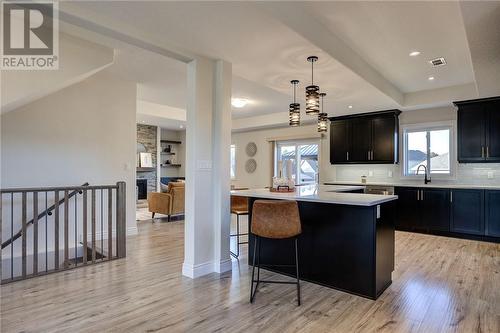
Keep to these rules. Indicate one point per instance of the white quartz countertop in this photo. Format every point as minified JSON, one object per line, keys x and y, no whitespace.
{"x":418,"y":184}
{"x":333,"y":194}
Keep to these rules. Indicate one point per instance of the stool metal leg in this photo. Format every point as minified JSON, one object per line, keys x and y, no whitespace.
{"x":252,"y":292}
{"x":297,"y":270}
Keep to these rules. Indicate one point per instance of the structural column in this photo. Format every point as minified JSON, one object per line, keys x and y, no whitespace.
{"x":208,"y":135}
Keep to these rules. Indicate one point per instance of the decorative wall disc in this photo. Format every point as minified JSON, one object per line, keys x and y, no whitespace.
{"x":251,"y":165}
{"x":251,"y":149}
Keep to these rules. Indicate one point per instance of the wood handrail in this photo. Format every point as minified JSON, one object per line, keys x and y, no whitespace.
{"x":77,"y":189}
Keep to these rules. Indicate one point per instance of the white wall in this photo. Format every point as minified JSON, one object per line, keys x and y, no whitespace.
{"x":466,"y":173}
{"x":262,"y":175}
{"x":83,"y":133}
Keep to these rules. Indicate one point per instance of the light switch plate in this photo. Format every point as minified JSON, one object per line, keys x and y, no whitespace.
{"x":370,"y":173}
{"x":490,"y":175}
{"x":389,"y":174}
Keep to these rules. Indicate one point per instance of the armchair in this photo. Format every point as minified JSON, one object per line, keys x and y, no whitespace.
{"x":169,"y":203}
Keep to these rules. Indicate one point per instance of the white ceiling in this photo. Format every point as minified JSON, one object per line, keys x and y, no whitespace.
{"x":267,"y":52}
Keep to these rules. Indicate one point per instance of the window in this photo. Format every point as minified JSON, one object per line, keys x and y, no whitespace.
{"x":304,"y":160}
{"x":428,"y":146}
{"x":233,"y":161}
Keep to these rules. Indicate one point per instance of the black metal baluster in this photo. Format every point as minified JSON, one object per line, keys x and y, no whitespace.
{"x":12,"y":236}
{"x":76,"y":231}
{"x":46,"y":234}
{"x":35,"y":233}
{"x":102,"y":218}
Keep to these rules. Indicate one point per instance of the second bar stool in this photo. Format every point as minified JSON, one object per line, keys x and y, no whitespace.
{"x":274,"y":219}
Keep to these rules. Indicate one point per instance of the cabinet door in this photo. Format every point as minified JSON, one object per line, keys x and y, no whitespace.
{"x":493,"y":131}
{"x":493,"y":213}
{"x":383,"y":140}
{"x":435,"y":204}
{"x":471,"y":133}
{"x":360,"y":139}
{"x":467,"y":211}
{"x":339,"y":141}
{"x":407,"y":211}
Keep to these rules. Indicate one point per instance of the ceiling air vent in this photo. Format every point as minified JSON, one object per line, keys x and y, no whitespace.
{"x":437,"y":62}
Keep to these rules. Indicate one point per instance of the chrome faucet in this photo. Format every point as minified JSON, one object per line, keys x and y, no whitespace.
{"x":426,"y":180}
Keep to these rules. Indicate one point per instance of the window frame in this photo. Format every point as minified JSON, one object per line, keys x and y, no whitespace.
{"x":424,"y":127}
{"x":231,"y":147}
{"x":296,"y":143}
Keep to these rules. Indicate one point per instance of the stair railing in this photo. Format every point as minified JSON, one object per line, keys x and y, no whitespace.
{"x":96,"y":221}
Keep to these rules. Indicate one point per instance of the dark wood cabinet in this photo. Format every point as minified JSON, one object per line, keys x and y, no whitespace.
{"x":478,"y":132}
{"x":423,"y":209}
{"x":435,"y":204}
{"x":493,"y":131}
{"x":492,"y":213}
{"x":384,"y":133}
{"x":365,"y":138}
{"x":339,"y":141}
{"x":467,"y":211}
{"x":407,"y":208}
{"x":361,"y":139}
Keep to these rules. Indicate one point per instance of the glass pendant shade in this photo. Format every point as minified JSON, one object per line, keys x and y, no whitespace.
{"x":312,"y":100}
{"x":294,"y":109}
{"x":322,"y":122}
{"x":294,"y":113}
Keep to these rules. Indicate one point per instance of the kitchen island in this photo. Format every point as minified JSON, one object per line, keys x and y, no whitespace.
{"x":347,"y":239}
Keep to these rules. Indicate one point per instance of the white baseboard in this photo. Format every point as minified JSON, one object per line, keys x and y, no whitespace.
{"x":131,"y":231}
{"x":196,"y":271}
{"x":223,"y":266}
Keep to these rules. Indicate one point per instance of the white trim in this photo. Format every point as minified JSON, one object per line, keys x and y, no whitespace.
{"x":451,"y":125}
{"x":195,"y":271}
{"x":223,"y":266}
{"x":131,"y":231}
{"x":295,"y":137}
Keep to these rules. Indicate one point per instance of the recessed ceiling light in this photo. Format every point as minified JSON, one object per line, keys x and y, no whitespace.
{"x":182,"y":126}
{"x":430,"y":78}
{"x":239,"y":102}
{"x":350,"y":106}
{"x":414,"y":53}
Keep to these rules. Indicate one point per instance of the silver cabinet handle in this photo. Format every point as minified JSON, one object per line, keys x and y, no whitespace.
{"x":487,"y":151}
{"x":347,"y":155}
{"x":422,"y":195}
{"x":451,"y":196}
{"x":418,"y":195}
{"x":369,"y":155}
{"x":482,"y":152}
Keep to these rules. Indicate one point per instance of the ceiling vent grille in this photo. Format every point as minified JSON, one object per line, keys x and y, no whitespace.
{"x":437,"y":62}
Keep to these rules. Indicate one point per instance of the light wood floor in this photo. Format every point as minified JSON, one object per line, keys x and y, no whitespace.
{"x":440,"y":285}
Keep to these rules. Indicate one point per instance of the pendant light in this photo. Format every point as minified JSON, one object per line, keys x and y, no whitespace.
{"x":323,"y":116}
{"x":312,"y":91}
{"x":294,"y":111}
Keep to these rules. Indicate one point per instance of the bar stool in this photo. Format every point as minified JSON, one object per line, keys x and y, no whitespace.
{"x":274,"y":219}
{"x":239,"y":207}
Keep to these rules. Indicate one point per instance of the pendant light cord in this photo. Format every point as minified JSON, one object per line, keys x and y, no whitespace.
{"x":312,"y":73}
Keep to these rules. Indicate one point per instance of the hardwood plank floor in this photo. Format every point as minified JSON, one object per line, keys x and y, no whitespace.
{"x":439,"y":285}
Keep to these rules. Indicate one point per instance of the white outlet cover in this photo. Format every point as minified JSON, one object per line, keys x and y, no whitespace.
{"x":490,"y":175}
{"x":389,"y":174}
{"x":370,"y":173}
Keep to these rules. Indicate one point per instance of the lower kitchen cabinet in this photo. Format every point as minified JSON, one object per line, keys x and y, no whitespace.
{"x":407,"y":212}
{"x":435,"y":203}
{"x":493,"y":213}
{"x":467,"y":211}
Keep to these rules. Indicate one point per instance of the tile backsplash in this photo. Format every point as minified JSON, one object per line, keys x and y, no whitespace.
{"x":474,"y":174}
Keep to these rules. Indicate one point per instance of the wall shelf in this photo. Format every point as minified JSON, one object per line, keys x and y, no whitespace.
{"x":171,"y":142}
{"x":170,"y":165}
{"x":139,"y":169}
{"x":165,"y":153}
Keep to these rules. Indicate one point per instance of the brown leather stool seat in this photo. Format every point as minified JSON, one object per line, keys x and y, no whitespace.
{"x":274,"y":219}
{"x":239,"y":207}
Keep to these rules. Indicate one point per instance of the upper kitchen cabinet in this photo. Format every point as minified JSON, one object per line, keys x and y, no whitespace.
{"x":479,"y":130}
{"x":365,"y":138}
